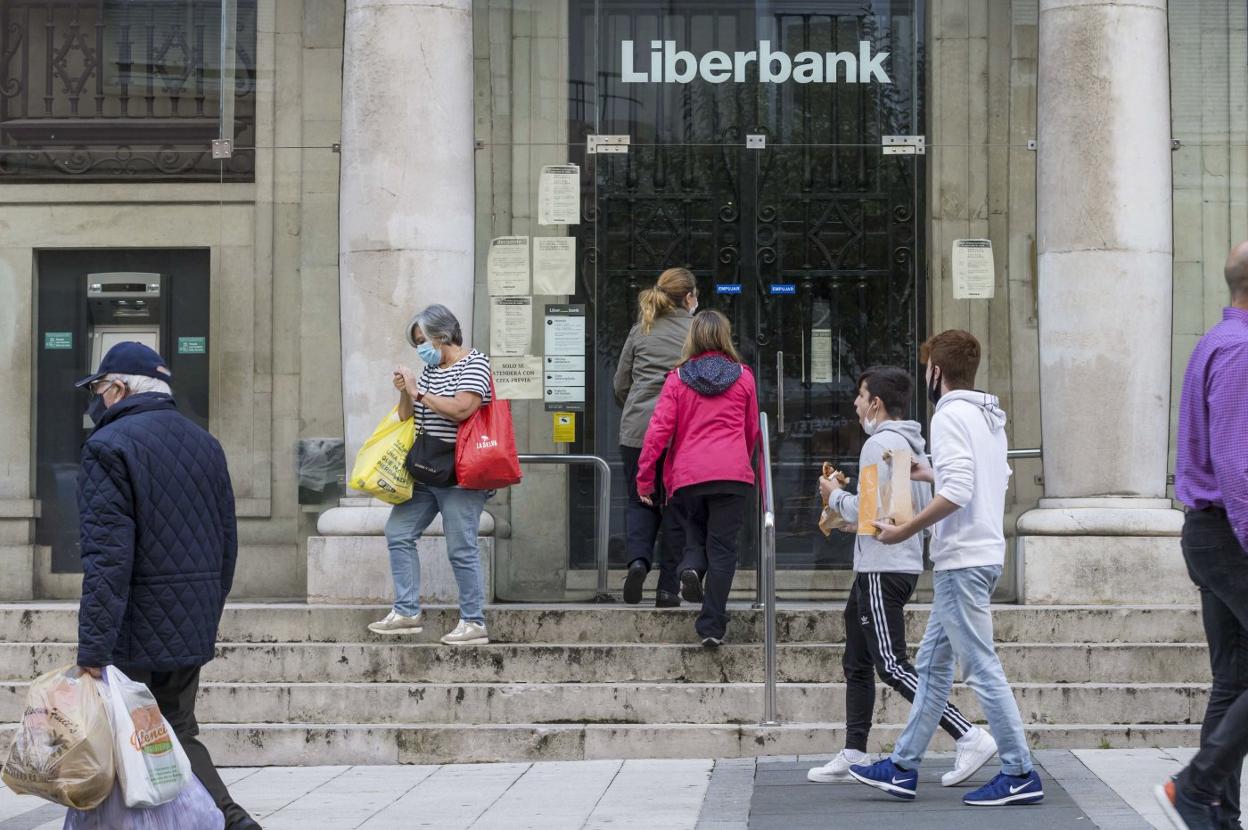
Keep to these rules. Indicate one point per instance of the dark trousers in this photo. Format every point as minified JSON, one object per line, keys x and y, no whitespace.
{"x":643,"y":524}
{"x":712,"y":523}
{"x":175,"y":695}
{"x":1218,"y":565}
{"x":875,"y":643}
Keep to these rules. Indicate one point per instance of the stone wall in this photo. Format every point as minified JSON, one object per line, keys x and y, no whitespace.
{"x":273,"y":249}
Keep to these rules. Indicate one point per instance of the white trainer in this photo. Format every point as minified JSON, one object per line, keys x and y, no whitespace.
{"x":975,"y":748}
{"x":467,"y":634}
{"x":396,"y":623}
{"x":837,"y":769}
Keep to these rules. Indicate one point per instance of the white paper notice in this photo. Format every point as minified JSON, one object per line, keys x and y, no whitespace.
{"x":517,"y":378}
{"x":554,"y":265}
{"x":974,"y":277}
{"x":511,"y":325}
{"x":507,"y":266}
{"x":559,"y":195}
{"x":821,"y":356}
{"x":565,"y":330}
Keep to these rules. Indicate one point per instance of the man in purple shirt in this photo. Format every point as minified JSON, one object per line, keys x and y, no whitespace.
{"x":1212,"y":480}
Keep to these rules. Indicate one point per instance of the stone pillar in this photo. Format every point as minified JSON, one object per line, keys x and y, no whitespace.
{"x":406,"y":235}
{"x":1105,"y":530}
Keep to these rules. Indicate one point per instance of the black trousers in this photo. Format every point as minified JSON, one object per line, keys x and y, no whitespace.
{"x":175,"y":693}
{"x":875,"y":643}
{"x":712,"y":523}
{"x":643,"y":524}
{"x":1218,"y":565}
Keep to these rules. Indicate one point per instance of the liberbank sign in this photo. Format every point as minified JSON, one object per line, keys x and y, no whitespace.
{"x":668,"y":65}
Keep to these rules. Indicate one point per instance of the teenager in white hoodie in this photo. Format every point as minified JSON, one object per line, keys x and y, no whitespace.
{"x":885,"y":577}
{"x":968,"y":554}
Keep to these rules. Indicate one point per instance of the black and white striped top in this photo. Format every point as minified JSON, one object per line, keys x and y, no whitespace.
{"x":471,"y":373}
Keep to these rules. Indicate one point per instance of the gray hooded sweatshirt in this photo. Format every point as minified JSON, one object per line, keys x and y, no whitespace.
{"x":871,"y":556}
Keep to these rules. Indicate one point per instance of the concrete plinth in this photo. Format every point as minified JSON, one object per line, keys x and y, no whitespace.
{"x":355,"y":570}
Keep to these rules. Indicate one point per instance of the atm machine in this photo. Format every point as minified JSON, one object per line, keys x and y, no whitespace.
{"x":87,"y":302}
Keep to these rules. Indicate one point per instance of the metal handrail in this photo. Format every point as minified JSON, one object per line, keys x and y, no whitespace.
{"x":1027,"y":453}
{"x":767,"y":569}
{"x":603,"y":535}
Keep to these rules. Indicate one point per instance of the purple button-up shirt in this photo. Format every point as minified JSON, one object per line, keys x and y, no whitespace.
{"x":1212,"y":469}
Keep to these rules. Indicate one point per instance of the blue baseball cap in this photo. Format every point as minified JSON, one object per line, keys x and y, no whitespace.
{"x":129,"y":358}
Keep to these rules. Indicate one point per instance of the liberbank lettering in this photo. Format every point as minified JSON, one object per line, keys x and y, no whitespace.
{"x":668,"y":65}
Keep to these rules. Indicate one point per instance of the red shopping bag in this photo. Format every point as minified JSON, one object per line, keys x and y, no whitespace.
{"x":485,"y":451}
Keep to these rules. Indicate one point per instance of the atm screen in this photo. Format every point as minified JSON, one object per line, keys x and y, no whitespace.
{"x":126,"y":287}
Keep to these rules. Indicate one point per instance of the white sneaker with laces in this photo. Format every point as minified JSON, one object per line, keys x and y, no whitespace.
{"x":975,"y":748}
{"x":396,"y":623}
{"x":837,"y":769}
{"x":467,"y":634}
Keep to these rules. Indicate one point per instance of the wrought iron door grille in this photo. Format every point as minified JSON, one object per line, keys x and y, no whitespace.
{"x":102,"y":90}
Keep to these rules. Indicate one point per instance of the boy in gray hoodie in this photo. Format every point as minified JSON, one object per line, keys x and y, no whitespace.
{"x":884,"y":581}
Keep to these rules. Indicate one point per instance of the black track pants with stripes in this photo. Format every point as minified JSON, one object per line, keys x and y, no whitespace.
{"x":875,"y":643}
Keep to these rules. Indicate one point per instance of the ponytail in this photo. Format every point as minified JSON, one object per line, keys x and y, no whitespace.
{"x":673,"y":286}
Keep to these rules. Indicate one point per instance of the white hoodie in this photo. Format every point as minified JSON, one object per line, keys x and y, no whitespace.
{"x":969,"y":456}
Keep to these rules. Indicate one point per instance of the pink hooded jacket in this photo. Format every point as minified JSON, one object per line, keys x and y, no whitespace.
{"x":708,"y":415}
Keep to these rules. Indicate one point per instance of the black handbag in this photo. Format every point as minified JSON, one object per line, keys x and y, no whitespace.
{"x":431,"y":460}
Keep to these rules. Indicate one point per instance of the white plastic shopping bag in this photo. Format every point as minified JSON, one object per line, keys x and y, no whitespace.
{"x":193,"y":809}
{"x":152,"y":767}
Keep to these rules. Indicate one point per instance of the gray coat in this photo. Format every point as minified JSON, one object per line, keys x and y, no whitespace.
{"x":644,"y":363}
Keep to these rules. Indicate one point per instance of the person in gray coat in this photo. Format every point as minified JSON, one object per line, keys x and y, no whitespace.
{"x":654,"y":346}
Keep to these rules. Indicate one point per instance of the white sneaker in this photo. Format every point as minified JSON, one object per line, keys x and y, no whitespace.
{"x":974,"y":750}
{"x":837,"y":769}
{"x":467,"y":634}
{"x":396,"y":623}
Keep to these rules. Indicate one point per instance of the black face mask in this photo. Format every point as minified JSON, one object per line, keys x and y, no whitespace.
{"x":96,"y":409}
{"x":933,"y":389}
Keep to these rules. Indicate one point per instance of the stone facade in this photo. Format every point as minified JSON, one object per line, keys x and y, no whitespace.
{"x":276,"y":354}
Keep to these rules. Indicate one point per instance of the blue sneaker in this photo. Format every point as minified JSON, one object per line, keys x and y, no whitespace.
{"x":1007,"y":789}
{"x":887,"y":776}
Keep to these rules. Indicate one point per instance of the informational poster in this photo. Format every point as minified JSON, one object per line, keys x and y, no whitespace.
{"x":517,"y":378}
{"x":563,"y":375}
{"x":507,"y":266}
{"x":974,"y":277}
{"x":821,"y":368}
{"x":564,"y":427}
{"x":554,"y":265}
{"x":565,"y":330}
{"x":559,"y":195}
{"x":511,"y":325}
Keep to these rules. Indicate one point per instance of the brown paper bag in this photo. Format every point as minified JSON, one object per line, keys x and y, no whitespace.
{"x":884,"y":493}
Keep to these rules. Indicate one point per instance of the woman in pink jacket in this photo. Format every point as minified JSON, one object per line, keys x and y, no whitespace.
{"x":707,"y":420}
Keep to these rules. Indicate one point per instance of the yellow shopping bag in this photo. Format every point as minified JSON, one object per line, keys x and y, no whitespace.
{"x":379,"y":469}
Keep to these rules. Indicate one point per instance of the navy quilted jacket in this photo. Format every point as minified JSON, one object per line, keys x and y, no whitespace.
{"x":159,"y":539}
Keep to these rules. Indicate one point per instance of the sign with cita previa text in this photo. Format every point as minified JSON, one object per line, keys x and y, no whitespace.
{"x":668,"y":65}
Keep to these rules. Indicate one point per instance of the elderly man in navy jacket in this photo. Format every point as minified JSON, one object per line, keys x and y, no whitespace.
{"x":159,"y":543}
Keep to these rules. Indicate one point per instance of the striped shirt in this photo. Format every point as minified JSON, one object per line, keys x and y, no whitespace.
{"x":471,"y":373}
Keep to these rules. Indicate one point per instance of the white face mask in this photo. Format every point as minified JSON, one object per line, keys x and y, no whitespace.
{"x":869,"y":426}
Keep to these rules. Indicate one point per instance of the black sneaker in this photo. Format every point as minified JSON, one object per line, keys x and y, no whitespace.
{"x":712,"y":642}
{"x":637,"y":571}
{"x":664,"y":599}
{"x":691,"y":586}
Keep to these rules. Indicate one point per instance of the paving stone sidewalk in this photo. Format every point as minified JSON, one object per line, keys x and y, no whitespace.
{"x":1092,"y":789}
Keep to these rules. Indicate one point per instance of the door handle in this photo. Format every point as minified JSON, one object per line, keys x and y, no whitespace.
{"x":779,"y":393}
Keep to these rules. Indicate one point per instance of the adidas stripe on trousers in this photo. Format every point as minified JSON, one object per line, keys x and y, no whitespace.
{"x":875,"y":644}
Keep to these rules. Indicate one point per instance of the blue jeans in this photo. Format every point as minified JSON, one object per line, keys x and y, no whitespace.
{"x":960,"y":627}
{"x":461,"y":514}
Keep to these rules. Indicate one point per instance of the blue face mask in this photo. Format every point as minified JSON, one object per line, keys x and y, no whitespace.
{"x":429,"y":353}
{"x":96,"y":409}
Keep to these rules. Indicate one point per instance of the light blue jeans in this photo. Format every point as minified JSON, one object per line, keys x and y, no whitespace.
{"x":960,"y":628}
{"x":461,"y":514}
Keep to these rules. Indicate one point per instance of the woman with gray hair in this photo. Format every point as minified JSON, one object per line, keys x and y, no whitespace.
{"x":453,"y":384}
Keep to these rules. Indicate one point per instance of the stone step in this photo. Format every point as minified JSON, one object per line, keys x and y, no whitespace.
{"x":298,"y":622}
{"x":621,"y":663}
{"x":297,"y":744}
{"x":642,"y":703}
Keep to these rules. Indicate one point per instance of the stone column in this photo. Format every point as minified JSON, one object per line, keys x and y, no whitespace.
{"x":406,"y":240}
{"x":1105,"y":530}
